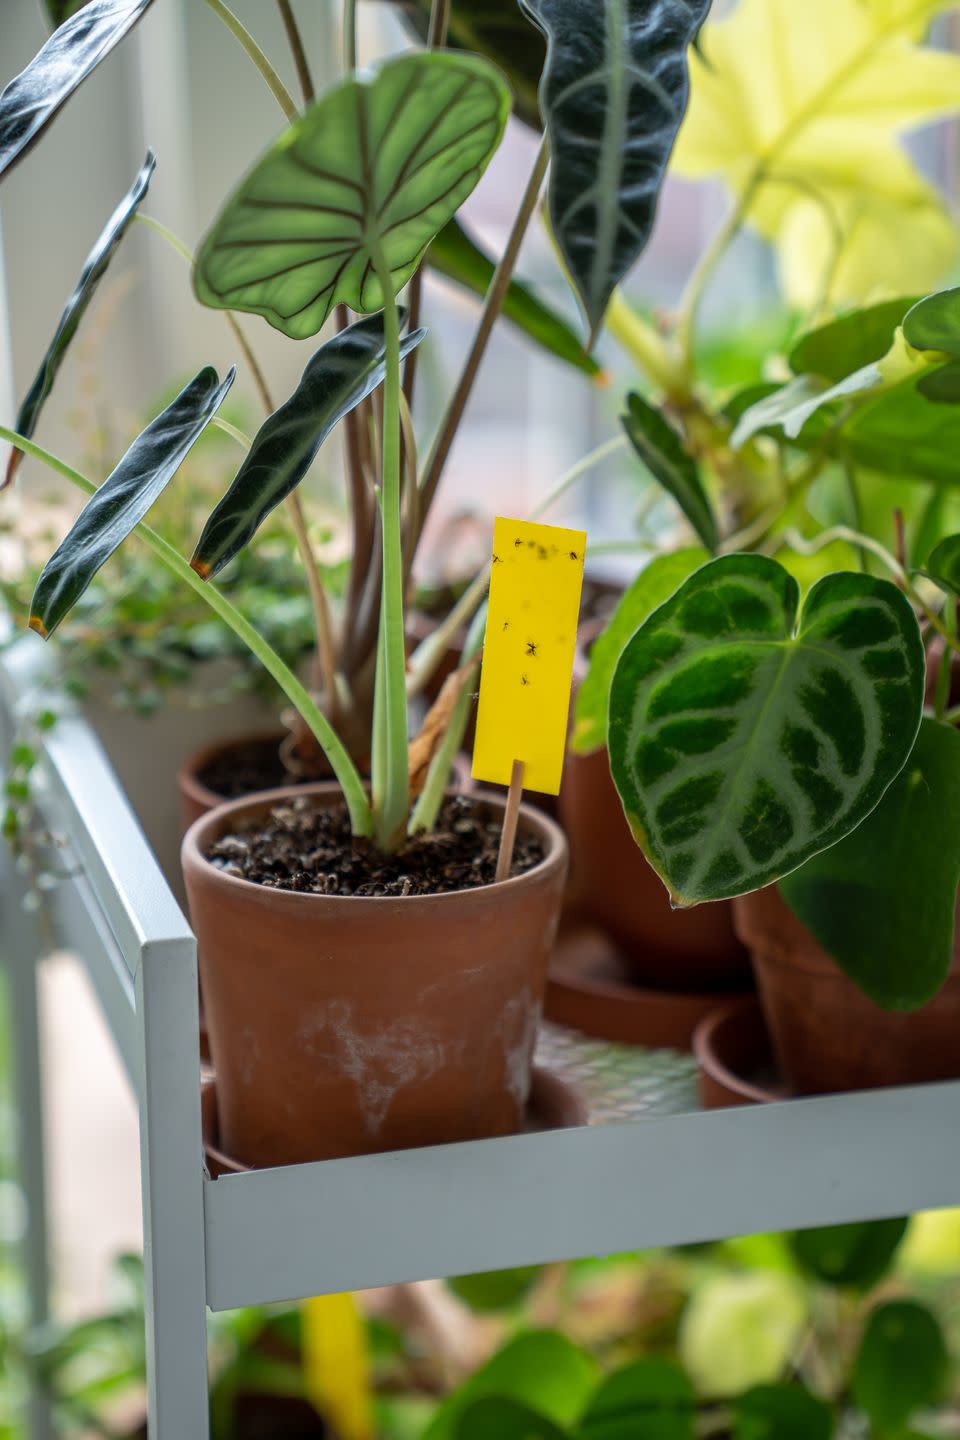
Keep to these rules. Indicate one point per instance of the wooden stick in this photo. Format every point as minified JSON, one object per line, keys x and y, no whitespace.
{"x":509,"y":832}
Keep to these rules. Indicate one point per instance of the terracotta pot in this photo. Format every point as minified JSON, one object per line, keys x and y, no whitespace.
{"x":340,"y":1026}
{"x":734,"y":1059}
{"x":826,"y":1034}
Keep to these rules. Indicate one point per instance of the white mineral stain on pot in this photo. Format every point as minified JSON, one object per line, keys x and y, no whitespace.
{"x":517,"y":1030}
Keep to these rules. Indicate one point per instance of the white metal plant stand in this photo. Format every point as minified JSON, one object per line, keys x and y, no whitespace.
{"x":348,"y":1224}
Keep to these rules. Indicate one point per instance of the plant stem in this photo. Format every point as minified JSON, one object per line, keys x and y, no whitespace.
{"x":296,"y":49}
{"x":577,"y":471}
{"x":349,"y":36}
{"x":646,"y":348}
{"x":707,"y":264}
{"x":941,"y":697}
{"x":240,"y":32}
{"x":428,"y":804}
{"x":492,"y":305}
{"x":342,"y":766}
{"x":390,"y":819}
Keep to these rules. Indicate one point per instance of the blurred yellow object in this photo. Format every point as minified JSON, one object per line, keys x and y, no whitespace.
{"x":932,"y":1243}
{"x":336,"y":1367}
{"x":741,"y":1330}
{"x":798,"y":107}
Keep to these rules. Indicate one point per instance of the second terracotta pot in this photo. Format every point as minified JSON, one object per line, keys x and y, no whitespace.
{"x":340,"y":1026}
{"x":826,"y":1034}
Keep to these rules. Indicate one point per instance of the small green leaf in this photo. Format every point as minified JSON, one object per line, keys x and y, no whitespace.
{"x":857,"y":1255}
{"x":540,"y":1369}
{"x":943,"y":566}
{"x":771,"y":409}
{"x":781,"y":1412}
{"x":494,"y":1418}
{"x":613,"y":94}
{"x":651,"y":1399}
{"x":378,"y":165}
{"x":903,"y":433}
{"x":455,"y":255}
{"x":124,"y":498}
{"x":495,"y":1289}
{"x":93,"y":271}
{"x":744,"y":739}
{"x":868,"y":378}
{"x":344,"y":371}
{"x":655,"y":584}
{"x":934,"y":323}
{"x":850,"y":342}
{"x":941,"y":385}
{"x":882,"y":902}
{"x":901,"y":1365}
{"x":33,"y":98}
{"x":661,"y":450}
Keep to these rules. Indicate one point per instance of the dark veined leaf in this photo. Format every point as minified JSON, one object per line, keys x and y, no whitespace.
{"x":344,"y":371}
{"x":377,"y":166}
{"x":124,"y":498}
{"x":745,"y":737}
{"x":648,"y":1400}
{"x":901,"y":1365}
{"x":836,"y":349}
{"x":934,"y":323}
{"x":32,"y":99}
{"x":859,"y":1254}
{"x":655,"y":584}
{"x":660,"y":448}
{"x":882,"y":902}
{"x":459,"y":258}
{"x":495,"y":1289}
{"x":93,"y":271}
{"x":613,"y":95}
{"x":943,"y":566}
{"x":781,"y":1412}
{"x":540,"y":1369}
{"x":496,"y":1418}
{"x":60,"y":10}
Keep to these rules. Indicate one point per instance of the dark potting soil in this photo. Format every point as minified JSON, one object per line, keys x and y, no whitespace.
{"x":304,"y":848}
{"x":247,"y":767}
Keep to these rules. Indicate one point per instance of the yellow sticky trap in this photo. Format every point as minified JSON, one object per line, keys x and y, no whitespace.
{"x":534,"y":605}
{"x":336,"y":1366}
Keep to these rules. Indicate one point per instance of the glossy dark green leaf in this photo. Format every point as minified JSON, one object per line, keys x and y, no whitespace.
{"x":943,"y":566}
{"x":904,"y":433}
{"x":459,"y":258}
{"x":836,"y":349}
{"x":648,"y":1400}
{"x":92,"y":273}
{"x":745,"y":736}
{"x":613,"y":95}
{"x":32,"y":99}
{"x":60,"y":10}
{"x":941,"y":385}
{"x":883,"y":901}
{"x":496,"y":1418}
{"x":859,"y":1254}
{"x":655,"y":584}
{"x":781,"y":1412}
{"x":540,"y":1369}
{"x":661,"y":450}
{"x":379,"y":164}
{"x":344,"y":371}
{"x":934,"y":323}
{"x":901,"y":1365}
{"x":495,"y":1289}
{"x":124,"y":498}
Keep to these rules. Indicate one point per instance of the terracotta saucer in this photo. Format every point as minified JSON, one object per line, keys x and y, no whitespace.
{"x":554,"y":1104}
{"x":590,"y":989}
{"x":734,"y":1057}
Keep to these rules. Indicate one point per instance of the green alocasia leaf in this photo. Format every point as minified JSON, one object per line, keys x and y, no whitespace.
{"x":495,"y":1289}
{"x":344,"y":371}
{"x":455,"y":255}
{"x":781,"y":1412}
{"x":661,"y":449}
{"x":745,"y":737}
{"x":494,"y":1416}
{"x":32,"y":99}
{"x":882,"y":902}
{"x":934,"y":323}
{"x":540,"y":1369}
{"x":655,"y":584}
{"x":93,"y":271}
{"x":613,"y":94}
{"x":379,"y":163}
{"x":850,"y":342}
{"x":859,"y":1254}
{"x":901,"y":1364}
{"x":943,"y":566}
{"x":651,"y":1399}
{"x":124,"y":498}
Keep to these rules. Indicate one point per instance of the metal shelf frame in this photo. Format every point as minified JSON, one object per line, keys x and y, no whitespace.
{"x":348,"y":1224}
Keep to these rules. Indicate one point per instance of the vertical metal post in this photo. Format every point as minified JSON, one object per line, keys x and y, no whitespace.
{"x":171,"y":1165}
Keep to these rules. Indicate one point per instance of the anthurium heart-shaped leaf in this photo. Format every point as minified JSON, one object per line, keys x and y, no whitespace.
{"x":655,"y":583}
{"x":372,"y":172}
{"x":32,"y":99}
{"x":344,"y":371}
{"x":494,"y":1415}
{"x":651,"y":1399}
{"x":943,"y":566}
{"x":859,"y":1254}
{"x":92,"y":273}
{"x":902,"y":1364}
{"x":859,"y":338}
{"x":661,"y":449}
{"x":744,"y":738}
{"x":883,"y":901}
{"x":124,"y":498}
{"x":458,"y":257}
{"x":613,"y":94}
{"x":781,"y":1412}
{"x":934,"y":323}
